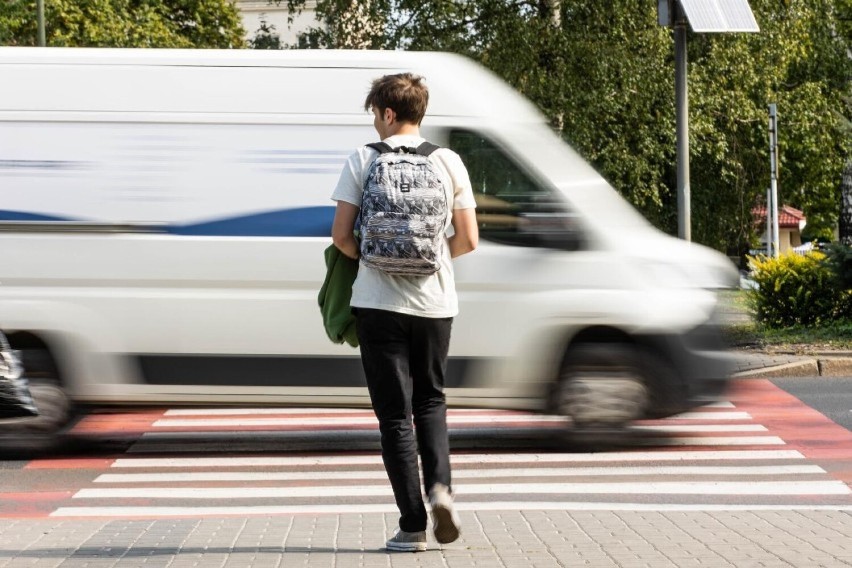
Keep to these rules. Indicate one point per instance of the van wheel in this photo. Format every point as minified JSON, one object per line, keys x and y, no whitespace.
{"x":56,"y":412}
{"x":601,"y":387}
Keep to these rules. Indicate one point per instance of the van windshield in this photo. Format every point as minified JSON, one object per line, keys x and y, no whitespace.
{"x":512,"y":206}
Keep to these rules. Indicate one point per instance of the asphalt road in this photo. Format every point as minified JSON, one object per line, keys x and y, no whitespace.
{"x":832,"y":396}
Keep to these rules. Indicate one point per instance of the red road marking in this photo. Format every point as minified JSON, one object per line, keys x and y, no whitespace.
{"x":804,"y":429}
{"x":38,"y":504}
{"x":36,"y":496}
{"x":70,"y":463}
{"x":125,"y":422}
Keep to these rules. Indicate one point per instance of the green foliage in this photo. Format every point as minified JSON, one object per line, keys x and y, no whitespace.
{"x":614,"y":91}
{"x":796,"y":62}
{"x":124,"y":23}
{"x":840,"y":260}
{"x":796,"y":290}
{"x":603,"y":72}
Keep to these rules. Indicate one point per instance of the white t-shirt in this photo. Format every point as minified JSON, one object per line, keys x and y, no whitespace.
{"x":432,"y":296}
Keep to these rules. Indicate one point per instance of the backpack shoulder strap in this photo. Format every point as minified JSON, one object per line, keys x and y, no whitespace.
{"x":427,"y":148}
{"x":380,"y":147}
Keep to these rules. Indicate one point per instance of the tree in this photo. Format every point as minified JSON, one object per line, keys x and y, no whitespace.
{"x":604,"y":74}
{"x":844,"y":30}
{"x":845,"y":224}
{"x":797,"y":62}
{"x":346,"y":24}
{"x":124,"y":23}
{"x":606,"y":92}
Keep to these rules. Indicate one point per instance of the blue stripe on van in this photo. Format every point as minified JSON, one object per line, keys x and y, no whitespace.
{"x":298,"y":222}
{"x":21,"y":216}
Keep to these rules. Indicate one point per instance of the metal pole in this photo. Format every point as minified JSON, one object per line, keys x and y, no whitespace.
{"x":773,"y":177}
{"x":769,"y":231}
{"x":684,"y":222}
{"x":40,"y":18}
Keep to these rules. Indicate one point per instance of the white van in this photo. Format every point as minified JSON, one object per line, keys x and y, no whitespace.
{"x":163,"y":216}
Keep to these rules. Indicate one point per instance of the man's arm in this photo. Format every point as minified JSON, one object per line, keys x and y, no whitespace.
{"x":342,"y":230}
{"x":466,"y":236}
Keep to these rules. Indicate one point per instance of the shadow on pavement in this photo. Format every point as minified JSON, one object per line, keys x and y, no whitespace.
{"x":126,"y":551}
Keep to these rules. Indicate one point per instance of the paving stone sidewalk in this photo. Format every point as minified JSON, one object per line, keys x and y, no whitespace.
{"x":539,"y":539}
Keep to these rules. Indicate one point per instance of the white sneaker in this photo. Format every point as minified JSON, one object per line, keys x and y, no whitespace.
{"x":445,"y":521}
{"x":407,"y":541}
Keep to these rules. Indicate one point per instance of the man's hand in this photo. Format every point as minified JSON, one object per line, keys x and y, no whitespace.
{"x":466,"y":237}
{"x":342,"y":230}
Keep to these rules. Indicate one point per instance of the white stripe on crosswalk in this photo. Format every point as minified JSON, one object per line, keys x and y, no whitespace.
{"x":715,"y":441}
{"x":834,"y":487}
{"x":458,"y":473}
{"x":389,"y":508}
{"x":467,"y":418}
{"x":337,"y":421}
{"x":283,"y":461}
{"x":450,"y":420}
{"x":703,"y":427}
{"x":260,"y":410}
{"x":149,"y":440}
{"x":698,"y":415}
{"x":285,"y":410}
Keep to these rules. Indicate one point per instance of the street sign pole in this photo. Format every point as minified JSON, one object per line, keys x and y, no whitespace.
{"x":772,"y":214}
{"x":769,"y":231}
{"x":684,"y":220}
{"x":40,"y":22}
{"x":721,"y":16}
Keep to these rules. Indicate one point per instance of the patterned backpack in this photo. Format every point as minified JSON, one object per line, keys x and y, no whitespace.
{"x":403,"y":211}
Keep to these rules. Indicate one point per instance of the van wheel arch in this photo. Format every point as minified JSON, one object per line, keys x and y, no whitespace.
{"x":606,"y":379}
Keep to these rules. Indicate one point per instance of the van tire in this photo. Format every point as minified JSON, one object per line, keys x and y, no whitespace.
{"x":601,"y":387}
{"x":56,"y":413}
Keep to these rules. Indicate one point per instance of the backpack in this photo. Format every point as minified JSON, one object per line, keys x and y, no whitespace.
{"x":404,"y":211}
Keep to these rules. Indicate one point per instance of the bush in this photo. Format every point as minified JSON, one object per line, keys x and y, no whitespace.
{"x":840,"y":260}
{"x":797,"y":290}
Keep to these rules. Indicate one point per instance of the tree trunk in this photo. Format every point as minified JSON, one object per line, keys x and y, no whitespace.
{"x":846,"y":204}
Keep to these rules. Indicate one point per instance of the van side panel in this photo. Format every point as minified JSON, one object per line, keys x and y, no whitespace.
{"x":164,"y":215}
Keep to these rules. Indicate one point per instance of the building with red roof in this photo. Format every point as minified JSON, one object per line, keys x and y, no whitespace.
{"x":791,"y":223}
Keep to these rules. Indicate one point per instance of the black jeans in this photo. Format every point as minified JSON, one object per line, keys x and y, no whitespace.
{"x":405,"y":360}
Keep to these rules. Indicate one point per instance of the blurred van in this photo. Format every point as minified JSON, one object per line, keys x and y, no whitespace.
{"x":163,"y":216}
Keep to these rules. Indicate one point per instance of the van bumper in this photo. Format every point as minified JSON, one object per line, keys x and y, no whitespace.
{"x":701,"y":366}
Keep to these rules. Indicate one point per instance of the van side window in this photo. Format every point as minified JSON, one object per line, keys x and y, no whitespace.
{"x":511,"y":206}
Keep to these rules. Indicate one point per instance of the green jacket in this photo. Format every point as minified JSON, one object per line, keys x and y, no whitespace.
{"x":335,"y":295}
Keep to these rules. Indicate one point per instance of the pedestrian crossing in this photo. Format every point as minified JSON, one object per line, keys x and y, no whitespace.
{"x":719,"y":457}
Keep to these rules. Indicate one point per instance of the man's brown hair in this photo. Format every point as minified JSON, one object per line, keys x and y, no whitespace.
{"x":403,"y":93}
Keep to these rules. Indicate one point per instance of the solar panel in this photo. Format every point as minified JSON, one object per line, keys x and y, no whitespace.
{"x":719,"y":15}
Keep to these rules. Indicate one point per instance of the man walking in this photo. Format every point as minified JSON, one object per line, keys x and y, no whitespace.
{"x":407,"y":194}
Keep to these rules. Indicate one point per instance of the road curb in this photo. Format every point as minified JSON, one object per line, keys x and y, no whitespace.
{"x":835,"y":367}
{"x":822,"y":367}
{"x":804,"y":368}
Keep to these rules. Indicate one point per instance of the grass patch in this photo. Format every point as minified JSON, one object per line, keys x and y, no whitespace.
{"x":734,"y":300}
{"x":835,"y":336}
{"x":829,"y":337}
{"x":741,"y":333}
